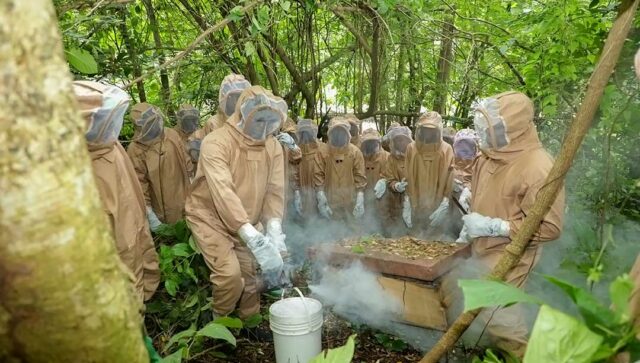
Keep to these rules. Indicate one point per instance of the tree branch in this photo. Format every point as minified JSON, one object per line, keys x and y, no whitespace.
{"x":359,"y":37}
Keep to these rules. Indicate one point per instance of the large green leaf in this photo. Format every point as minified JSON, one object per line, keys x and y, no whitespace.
{"x":82,"y":61}
{"x":342,"y":354}
{"x":483,"y":293}
{"x":620,"y":292}
{"x":217,"y":331}
{"x":253,"y":321}
{"x":229,"y":322}
{"x":559,"y":338}
{"x":180,"y":338}
{"x":175,"y":357}
{"x":593,"y":312}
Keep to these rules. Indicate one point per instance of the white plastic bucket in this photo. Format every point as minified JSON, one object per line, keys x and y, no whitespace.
{"x":296,"y":323}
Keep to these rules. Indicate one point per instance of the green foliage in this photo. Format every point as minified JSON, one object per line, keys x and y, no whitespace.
{"x":342,"y":354}
{"x":81,"y":60}
{"x":484,"y":293}
{"x":492,"y":357}
{"x":389,"y":342}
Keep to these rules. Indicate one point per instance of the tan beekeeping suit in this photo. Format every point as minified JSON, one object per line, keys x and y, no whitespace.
{"x":188,"y":122}
{"x":239,"y":180}
{"x":306,"y":132}
{"x":505,"y":185}
{"x":292,"y":159}
{"x":429,"y":168}
{"x":119,"y":189}
{"x":339,"y":171}
{"x":394,"y":171}
{"x":385,"y":138}
{"x":163,"y":168}
{"x":355,"y":128}
{"x":465,"y":149}
{"x":373,"y":163}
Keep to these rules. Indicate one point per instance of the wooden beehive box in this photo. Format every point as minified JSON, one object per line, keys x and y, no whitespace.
{"x":411,"y":270}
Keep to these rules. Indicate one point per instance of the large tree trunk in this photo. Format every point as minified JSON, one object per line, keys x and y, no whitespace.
{"x":132,"y":53}
{"x":165,"y":91}
{"x":64,"y":294}
{"x":444,"y":65}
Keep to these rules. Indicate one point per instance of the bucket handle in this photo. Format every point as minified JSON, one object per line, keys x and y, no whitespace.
{"x":306,"y":307}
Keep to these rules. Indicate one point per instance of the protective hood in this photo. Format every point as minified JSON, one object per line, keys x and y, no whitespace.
{"x":385,"y":138}
{"x":339,"y":135}
{"x":136,"y":113}
{"x":152,"y":126}
{"x":465,"y":144}
{"x":103,"y":106}
{"x":230,"y":89}
{"x":399,"y":139}
{"x":188,"y":118}
{"x":306,"y":132}
{"x":354,"y":128}
{"x":258,"y":113}
{"x":504,"y":124}
{"x":429,"y":132}
{"x":448,"y":133}
{"x":370,"y":143}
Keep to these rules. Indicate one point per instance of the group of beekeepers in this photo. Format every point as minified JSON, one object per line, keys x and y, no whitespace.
{"x":236,"y":178}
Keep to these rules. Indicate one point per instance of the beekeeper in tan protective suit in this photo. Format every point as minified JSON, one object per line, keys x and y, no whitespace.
{"x":238,"y":187}
{"x":187,"y":121}
{"x":339,"y":175}
{"x":163,"y":168}
{"x":230,"y":89}
{"x":395,"y":177}
{"x":429,"y":168}
{"x":465,"y":149}
{"x":354,"y":128}
{"x":385,"y":138}
{"x":292,"y":157}
{"x":104,"y":106}
{"x":304,"y":194}
{"x":505,"y":183}
{"x":374,"y":159}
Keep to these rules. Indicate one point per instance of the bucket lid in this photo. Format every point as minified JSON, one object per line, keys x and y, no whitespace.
{"x":294,"y":316}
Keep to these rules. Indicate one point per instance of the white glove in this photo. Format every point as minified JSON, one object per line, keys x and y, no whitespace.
{"x":478,"y":225}
{"x":275,"y":235}
{"x":406,"y":211}
{"x":465,"y":199}
{"x":400,"y":186}
{"x":286,"y":140}
{"x":264,"y":251}
{"x":154,"y":222}
{"x":457,"y":186}
{"x":323,"y":205}
{"x":380,"y":188}
{"x":440,"y":214}
{"x":464,"y":236}
{"x":358,"y":211}
{"x":297,"y":202}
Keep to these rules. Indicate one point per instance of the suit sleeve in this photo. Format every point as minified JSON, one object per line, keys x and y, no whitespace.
{"x":137,"y":159}
{"x":273,"y":205}
{"x":319,"y":170}
{"x":359,"y":176}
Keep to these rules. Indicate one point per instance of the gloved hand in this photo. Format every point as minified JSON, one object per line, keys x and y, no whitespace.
{"x":465,"y":199}
{"x":457,"y":186}
{"x":464,"y":236}
{"x":439,"y":215}
{"x":154,"y":222}
{"x":400,"y":186}
{"x":478,"y":225}
{"x":265,"y":252}
{"x":323,"y":205}
{"x":286,"y":140}
{"x":297,"y":202}
{"x":406,"y":211}
{"x":275,"y":235}
{"x":380,"y":188}
{"x":358,"y":210}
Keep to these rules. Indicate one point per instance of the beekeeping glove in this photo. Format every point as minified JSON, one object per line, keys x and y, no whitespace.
{"x":380,"y":188}
{"x":400,"y":186}
{"x":297,"y":202}
{"x":358,"y":211}
{"x":439,"y":215}
{"x":286,"y":140}
{"x":154,"y":222}
{"x":323,"y":205}
{"x":478,"y":225}
{"x":264,"y":251}
{"x":463,"y":237}
{"x":465,"y":199}
{"x":406,"y":211}
{"x":275,"y":235}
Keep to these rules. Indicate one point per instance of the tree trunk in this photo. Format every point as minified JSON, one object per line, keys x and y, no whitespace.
{"x":65,"y":295}
{"x":165,"y":91}
{"x":374,"y":92}
{"x":132,"y":53}
{"x":444,"y":65}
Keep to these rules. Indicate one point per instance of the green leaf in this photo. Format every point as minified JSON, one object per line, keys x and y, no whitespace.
{"x":357,"y":249}
{"x":175,"y":357}
{"x":180,"y":338}
{"x":249,"y":49}
{"x":592,"y":311}
{"x":253,"y":321}
{"x":181,"y":249}
{"x":342,"y":354}
{"x":217,"y":331}
{"x":229,"y":322}
{"x":82,"y":61}
{"x":236,"y":13}
{"x":557,"y":337}
{"x":193,"y":245}
{"x":483,"y":293}
{"x":285,"y":5}
{"x":171,"y":286}
{"x":620,"y":292}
